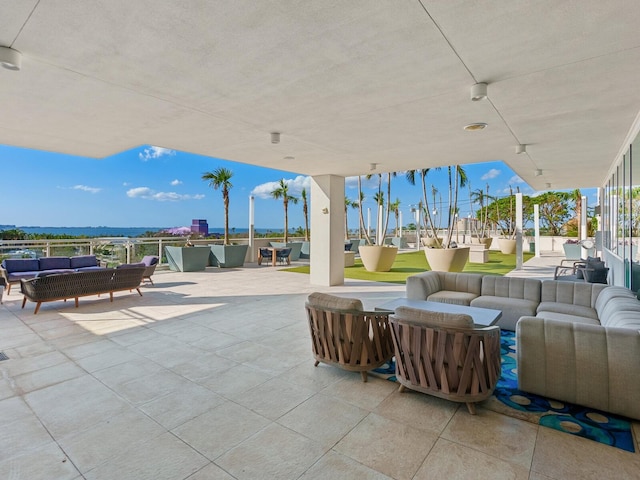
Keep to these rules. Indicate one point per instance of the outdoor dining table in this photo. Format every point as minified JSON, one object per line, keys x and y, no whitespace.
{"x":274,"y":251}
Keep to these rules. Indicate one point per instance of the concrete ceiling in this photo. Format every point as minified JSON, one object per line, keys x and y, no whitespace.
{"x":347,"y":83}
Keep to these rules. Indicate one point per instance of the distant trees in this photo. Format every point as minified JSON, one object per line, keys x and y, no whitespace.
{"x":282,"y":192}
{"x":221,"y":179}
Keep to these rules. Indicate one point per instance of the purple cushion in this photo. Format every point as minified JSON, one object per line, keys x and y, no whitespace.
{"x":54,"y":263}
{"x":84,"y":269}
{"x":21,"y":265}
{"x":84,"y":261}
{"x":26,"y":275}
{"x":149,"y":260}
{"x":53,"y":272}
{"x":131,"y":265}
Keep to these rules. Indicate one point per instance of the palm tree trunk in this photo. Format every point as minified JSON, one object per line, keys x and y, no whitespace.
{"x":286,"y":222}
{"x":226,"y":219}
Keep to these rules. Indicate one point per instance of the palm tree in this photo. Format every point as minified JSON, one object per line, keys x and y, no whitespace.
{"x":426,"y":213}
{"x":221,"y":178}
{"x":395,"y":208}
{"x":482,"y":198}
{"x":360,"y":200}
{"x":576,"y":196}
{"x":457,"y":178}
{"x":348,"y":203}
{"x":305,"y":212}
{"x":282,"y":192}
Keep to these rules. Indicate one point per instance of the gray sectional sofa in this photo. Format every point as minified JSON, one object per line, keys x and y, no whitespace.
{"x":576,"y":342}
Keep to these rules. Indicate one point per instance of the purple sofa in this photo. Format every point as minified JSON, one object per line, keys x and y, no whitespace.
{"x":15,"y":269}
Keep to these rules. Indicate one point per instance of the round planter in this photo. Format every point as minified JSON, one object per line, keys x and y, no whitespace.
{"x":482,"y":241}
{"x":377,"y":258}
{"x":431,"y":242}
{"x":507,"y":246}
{"x":447,"y":259}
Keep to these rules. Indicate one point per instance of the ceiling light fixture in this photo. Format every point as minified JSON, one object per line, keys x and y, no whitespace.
{"x":521,"y":148}
{"x":289,"y":157}
{"x":275,"y":137}
{"x":478,"y":92}
{"x":538,"y":173}
{"x":472,"y":127}
{"x":373,"y":166}
{"x":10,"y":59}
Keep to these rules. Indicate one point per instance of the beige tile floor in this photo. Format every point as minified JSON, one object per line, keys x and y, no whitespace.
{"x":209,"y":375}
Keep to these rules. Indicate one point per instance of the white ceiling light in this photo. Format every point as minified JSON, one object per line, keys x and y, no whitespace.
{"x":472,"y":127}
{"x":275,"y":137}
{"x":521,"y":149}
{"x":538,"y":173}
{"x":478,"y":91}
{"x":10,"y":59}
{"x":373,"y":166}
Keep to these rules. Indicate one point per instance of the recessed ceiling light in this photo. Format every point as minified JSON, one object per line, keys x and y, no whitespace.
{"x":472,"y":127}
{"x":289,"y":157}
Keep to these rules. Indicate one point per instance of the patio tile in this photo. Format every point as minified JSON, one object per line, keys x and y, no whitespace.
{"x":220,"y":429}
{"x":504,"y":437}
{"x":125,"y":372}
{"x":181,"y":405}
{"x":107,"y":358}
{"x":236,"y":380}
{"x":395,"y":449}
{"x":75,"y":405}
{"x":89,"y":448}
{"x":216,"y":341}
{"x":336,"y":466}
{"x":418,"y":410}
{"x":161,"y":458}
{"x":150,"y":386}
{"x":581,"y":458}
{"x":367,"y":395}
{"x":273,"y":453}
{"x":323,"y":419}
{"x":211,"y":472}
{"x":23,"y":434}
{"x":33,"y":363}
{"x":203,"y":366}
{"x":45,"y":377}
{"x":273,"y":398}
{"x":43,"y":463}
{"x":314,"y":378}
{"x":455,"y":462}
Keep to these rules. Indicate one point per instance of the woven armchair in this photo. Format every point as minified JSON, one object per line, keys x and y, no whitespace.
{"x":344,"y":335}
{"x":444,"y":355}
{"x":150,"y":263}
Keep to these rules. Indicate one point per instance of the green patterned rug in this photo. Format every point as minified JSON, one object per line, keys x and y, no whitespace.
{"x":573,"y":419}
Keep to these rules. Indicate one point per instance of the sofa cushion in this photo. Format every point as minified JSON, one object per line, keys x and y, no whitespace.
{"x":454,"y":298}
{"x":54,"y":263}
{"x":323,"y":300}
{"x":609,"y":293}
{"x":149,"y":260}
{"x":131,"y":265}
{"x":461,"y":282}
{"x":12,"y":265}
{"x":512,"y":308}
{"x":434,"y":319}
{"x":420,"y":286}
{"x":565,"y":317}
{"x":511,"y":287}
{"x":84,"y":261}
{"x":26,"y":275}
{"x":576,"y":293}
{"x":621,"y":312}
{"x":567,"y":308}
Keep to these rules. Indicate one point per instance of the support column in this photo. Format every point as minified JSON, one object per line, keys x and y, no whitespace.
{"x":327,"y":230}
{"x":583,"y":218}
{"x":536,"y":225}
{"x":252,"y":254}
{"x":518,"y":231}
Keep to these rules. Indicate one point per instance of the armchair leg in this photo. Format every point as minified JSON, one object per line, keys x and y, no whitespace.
{"x":316,"y":364}
{"x":364,"y":376}
{"x":401,"y":389}
{"x":471,"y":407}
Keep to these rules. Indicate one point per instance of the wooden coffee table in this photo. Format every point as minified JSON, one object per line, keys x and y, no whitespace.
{"x":483,"y":317}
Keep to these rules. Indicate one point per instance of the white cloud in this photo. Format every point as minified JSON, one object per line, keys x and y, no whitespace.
{"x":155,"y":152}
{"x":516,"y":179}
{"x":176,"y":182}
{"x":295,"y":187}
{"x":149,"y":194}
{"x":84,"y":188}
{"x":493,"y":173}
{"x":367,"y":184}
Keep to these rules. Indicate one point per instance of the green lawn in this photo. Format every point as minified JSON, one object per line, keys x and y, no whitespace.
{"x":407,"y":264}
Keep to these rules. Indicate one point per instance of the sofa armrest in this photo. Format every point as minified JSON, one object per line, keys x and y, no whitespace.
{"x":4,"y":275}
{"x":585,"y":364}
{"x":420,"y":286}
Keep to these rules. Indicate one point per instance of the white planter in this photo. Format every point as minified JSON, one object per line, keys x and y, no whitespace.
{"x":447,"y":259}
{"x":507,"y":246}
{"x":377,"y":258}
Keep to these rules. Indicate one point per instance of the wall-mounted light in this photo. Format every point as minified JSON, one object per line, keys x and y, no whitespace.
{"x":275,"y":137}
{"x":538,"y":173}
{"x":10,"y":59}
{"x":325,"y":210}
{"x":373,"y":166}
{"x":548,"y":185}
{"x":521,"y":149}
{"x":478,"y":92}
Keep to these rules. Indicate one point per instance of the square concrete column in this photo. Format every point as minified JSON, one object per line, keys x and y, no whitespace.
{"x":327,"y":230}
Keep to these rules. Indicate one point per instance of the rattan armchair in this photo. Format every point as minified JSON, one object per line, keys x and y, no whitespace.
{"x":345,"y":335}
{"x":445,"y":355}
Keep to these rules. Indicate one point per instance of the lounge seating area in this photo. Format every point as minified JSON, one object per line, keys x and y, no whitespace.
{"x":211,"y":375}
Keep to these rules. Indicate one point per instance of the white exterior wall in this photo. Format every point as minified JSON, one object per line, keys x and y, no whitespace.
{"x":327,"y":230}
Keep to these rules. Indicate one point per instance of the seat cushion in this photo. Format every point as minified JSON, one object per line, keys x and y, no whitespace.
{"x":567,"y":318}
{"x":12,"y":265}
{"x":567,"y":308}
{"x":433,"y":319}
{"x":324,"y":300}
{"x":512,"y":308}
{"x":84,"y":261}
{"x":149,"y":260}
{"x":55,"y":263}
{"x":16,"y":276}
{"x":454,"y":298}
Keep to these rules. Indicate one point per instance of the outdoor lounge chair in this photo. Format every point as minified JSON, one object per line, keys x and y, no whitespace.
{"x":445,"y":355}
{"x":264,"y":254}
{"x":591,"y":270}
{"x":283,"y":256}
{"x":150,"y":262}
{"x":344,"y":335}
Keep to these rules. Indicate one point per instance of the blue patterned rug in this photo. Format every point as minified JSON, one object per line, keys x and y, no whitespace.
{"x":573,"y":419}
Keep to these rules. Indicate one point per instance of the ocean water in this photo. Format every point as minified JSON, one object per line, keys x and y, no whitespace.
{"x":116,"y":231}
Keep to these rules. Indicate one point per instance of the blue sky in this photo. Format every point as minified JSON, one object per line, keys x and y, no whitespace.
{"x":156,"y":187}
